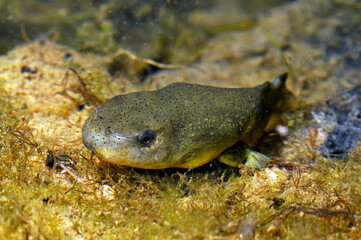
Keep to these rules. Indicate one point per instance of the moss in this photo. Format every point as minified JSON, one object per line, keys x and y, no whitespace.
{"x":322,"y":199}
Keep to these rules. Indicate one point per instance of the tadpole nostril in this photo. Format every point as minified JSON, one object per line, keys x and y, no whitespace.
{"x":108,"y":130}
{"x":98,"y":115}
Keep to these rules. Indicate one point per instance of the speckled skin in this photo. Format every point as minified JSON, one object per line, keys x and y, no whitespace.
{"x":194,"y":124}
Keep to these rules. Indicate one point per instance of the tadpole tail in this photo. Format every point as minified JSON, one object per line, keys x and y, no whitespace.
{"x":279,"y":83}
{"x":275,"y":91}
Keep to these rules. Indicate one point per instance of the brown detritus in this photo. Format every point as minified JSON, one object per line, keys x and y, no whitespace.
{"x":322,"y":212}
{"x":52,"y":161}
{"x":277,"y":202}
{"x":88,"y":96}
{"x":23,"y":134}
{"x":132,"y":66}
{"x":23,"y":33}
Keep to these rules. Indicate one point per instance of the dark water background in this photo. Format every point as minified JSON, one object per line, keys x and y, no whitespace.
{"x":133,"y":23}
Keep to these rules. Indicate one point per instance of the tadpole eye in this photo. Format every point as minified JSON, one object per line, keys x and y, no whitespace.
{"x":146,"y":138}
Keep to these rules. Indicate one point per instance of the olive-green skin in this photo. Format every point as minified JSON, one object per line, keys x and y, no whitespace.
{"x":193,"y":123}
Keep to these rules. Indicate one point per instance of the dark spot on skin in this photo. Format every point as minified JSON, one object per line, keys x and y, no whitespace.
{"x":99,"y":116}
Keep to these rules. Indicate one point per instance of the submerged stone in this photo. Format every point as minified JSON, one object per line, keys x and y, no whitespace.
{"x":342,"y":118}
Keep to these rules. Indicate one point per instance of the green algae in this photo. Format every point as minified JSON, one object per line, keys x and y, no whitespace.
{"x":181,"y":205}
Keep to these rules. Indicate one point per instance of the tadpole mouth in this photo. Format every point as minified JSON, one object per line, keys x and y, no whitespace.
{"x":87,"y":140}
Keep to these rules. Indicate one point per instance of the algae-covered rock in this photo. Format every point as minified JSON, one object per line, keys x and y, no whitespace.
{"x":341,"y":117}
